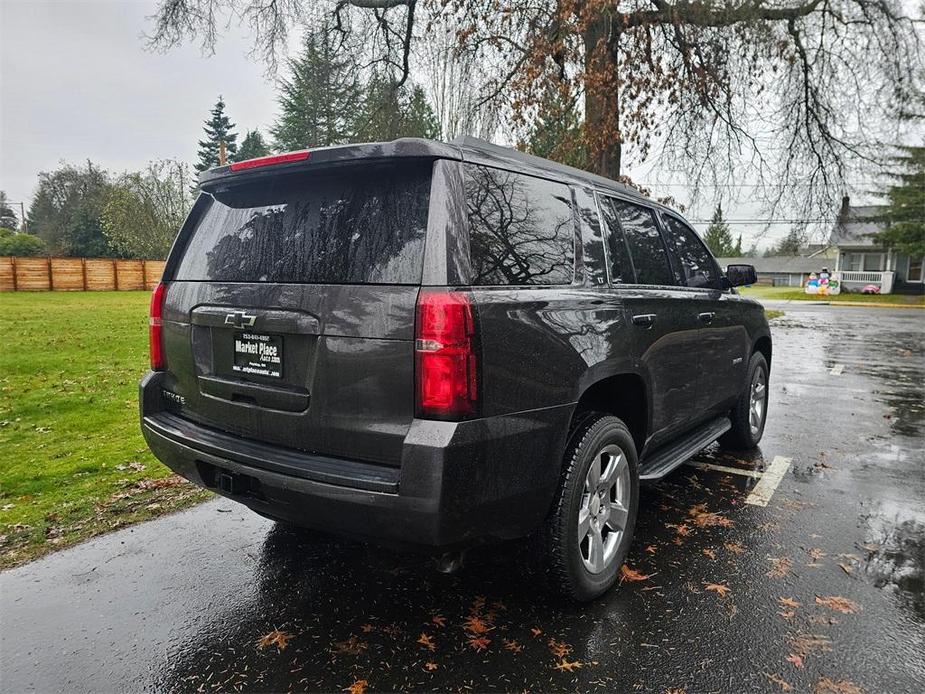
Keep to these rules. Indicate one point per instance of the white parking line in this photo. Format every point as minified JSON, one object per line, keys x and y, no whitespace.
{"x":837,"y":370}
{"x":732,"y":470}
{"x":764,"y":490}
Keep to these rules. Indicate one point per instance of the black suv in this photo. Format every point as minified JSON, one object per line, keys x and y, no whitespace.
{"x":444,"y":343}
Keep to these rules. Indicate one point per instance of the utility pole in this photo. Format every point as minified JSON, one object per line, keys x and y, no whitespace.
{"x":22,"y":217}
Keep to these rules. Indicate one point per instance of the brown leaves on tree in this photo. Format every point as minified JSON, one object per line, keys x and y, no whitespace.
{"x":274,"y":638}
{"x":838,"y":603}
{"x":719,"y":588}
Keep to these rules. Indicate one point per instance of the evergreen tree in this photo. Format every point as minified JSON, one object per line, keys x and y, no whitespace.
{"x":8,"y":219}
{"x":557,"y":133}
{"x":252,"y":146}
{"x":320,"y":98}
{"x":218,"y":129}
{"x":718,"y":237}
{"x":905,"y":213}
{"x":389,"y":112}
{"x":789,"y":245}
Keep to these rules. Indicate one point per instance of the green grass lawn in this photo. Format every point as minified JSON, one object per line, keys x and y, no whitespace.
{"x":797,"y":294}
{"x":73,"y":463}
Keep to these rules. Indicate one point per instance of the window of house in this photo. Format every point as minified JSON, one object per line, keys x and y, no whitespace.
{"x":873,"y":262}
{"x":915,"y":270}
{"x":521,"y":229}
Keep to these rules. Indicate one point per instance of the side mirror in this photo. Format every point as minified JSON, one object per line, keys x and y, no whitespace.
{"x":741,"y":275}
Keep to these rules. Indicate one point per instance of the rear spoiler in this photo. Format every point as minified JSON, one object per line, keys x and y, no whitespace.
{"x":408,"y":147}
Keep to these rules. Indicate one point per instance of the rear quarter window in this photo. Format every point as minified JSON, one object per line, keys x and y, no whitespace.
{"x":354,"y":227}
{"x":521,"y":228}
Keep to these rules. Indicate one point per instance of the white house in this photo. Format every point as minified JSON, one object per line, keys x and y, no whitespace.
{"x":860,"y":260}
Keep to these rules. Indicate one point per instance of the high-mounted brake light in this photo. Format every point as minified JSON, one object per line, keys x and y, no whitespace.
{"x":271,"y":160}
{"x":445,"y":356}
{"x":155,"y":331}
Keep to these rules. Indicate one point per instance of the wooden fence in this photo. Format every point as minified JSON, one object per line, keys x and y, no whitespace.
{"x":77,"y":274}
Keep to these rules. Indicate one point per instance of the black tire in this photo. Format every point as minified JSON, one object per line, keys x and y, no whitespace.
{"x":563,"y":550}
{"x":741,"y":437}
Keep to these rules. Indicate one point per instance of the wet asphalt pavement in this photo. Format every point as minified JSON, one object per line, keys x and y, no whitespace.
{"x":826,"y":585}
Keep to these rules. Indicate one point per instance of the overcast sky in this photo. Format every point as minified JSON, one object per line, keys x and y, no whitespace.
{"x":76,"y":82}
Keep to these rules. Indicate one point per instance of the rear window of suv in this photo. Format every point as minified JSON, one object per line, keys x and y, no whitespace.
{"x":521,"y":228}
{"x":355,"y":226}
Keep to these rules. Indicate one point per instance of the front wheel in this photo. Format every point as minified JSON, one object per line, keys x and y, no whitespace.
{"x":751,"y":411}
{"x":590,"y":528}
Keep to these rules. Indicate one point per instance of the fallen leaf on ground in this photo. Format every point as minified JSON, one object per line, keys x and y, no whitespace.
{"x":357,"y":687}
{"x":706,"y":519}
{"x":568,"y":665}
{"x":709,"y":552}
{"x":838,"y":603}
{"x":734,"y":547}
{"x":827,"y":685}
{"x":274,"y":638}
{"x":512,"y":646}
{"x":558,"y":648}
{"x":430,"y":667}
{"x":439,"y":620}
{"x":367,"y":628}
{"x":651,"y":549}
{"x":352,"y":646}
{"x":676,"y":690}
{"x":797,"y":660}
{"x":845,"y":568}
{"x":815,"y":553}
{"x":804,"y":644}
{"x":476,"y":625}
{"x":788,"y":602}
{"x":779,"y":681}
{"x":780,"y":567}
{"x":788,"y":614}
{"x":628,"y":574}
{"x":479,"y":643}
{"x":718,"y":588}
{"x":426,"y":641}
{"x":682,"y":529}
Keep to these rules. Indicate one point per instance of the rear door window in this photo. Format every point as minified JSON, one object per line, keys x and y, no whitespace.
{"x":521,"y":228}
{"x":649,"y":257}
{"x":354,"y":227}
{"x":696,"y":262}
{"x":621,"y":267}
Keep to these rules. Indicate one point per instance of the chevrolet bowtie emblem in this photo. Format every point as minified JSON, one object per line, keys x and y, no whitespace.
{"x":239,"y":319}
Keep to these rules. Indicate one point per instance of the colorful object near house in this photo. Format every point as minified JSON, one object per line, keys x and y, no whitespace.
{"x":823,"y":284}
{"x":870,"y":289}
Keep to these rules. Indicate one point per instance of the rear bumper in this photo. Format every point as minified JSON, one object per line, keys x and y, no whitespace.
{"x":459,"y":482}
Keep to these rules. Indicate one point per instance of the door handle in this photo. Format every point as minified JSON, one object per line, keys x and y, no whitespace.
{"x":706,"y":317}
{"x":644,"y":319}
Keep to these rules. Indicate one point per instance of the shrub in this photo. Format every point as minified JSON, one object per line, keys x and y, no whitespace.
{"x":20,"y":244}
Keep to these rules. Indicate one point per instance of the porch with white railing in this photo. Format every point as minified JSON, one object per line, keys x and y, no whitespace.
{"x":882,"y":279}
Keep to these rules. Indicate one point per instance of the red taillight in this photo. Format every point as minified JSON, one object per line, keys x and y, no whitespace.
{"x":272,"y":159}
{"x":155,"y":336}
{"x":444,"y":349}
